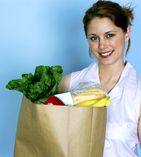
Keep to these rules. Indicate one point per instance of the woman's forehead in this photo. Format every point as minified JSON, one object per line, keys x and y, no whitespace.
{"x":101,"y":25}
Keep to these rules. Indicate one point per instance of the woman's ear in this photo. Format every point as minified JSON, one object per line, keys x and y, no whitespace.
{"x":127,"y":34}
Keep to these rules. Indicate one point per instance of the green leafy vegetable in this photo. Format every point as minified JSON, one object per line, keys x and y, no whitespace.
{"x":40,"y":85}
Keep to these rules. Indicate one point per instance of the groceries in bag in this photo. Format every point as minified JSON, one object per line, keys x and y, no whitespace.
{"x":42,"y":87}
{"x":88,"y":97}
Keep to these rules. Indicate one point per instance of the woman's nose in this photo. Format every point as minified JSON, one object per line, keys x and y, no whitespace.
{"x":102,"y":43}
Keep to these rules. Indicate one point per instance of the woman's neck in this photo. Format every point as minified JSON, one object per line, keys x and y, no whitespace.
{"x":109,"y":75}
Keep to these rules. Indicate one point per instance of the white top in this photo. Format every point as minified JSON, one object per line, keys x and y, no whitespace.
{"x":123,"y":114}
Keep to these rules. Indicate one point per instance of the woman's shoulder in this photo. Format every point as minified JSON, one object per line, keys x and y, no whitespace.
{"x":89,"y":69}
{"x":88,"y":74}
{"x":76,"y":76}
{"x":131,"y":78}
{"x":133,"y":74}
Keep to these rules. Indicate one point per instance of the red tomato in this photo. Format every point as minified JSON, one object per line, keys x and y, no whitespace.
{"x":54,"y":100}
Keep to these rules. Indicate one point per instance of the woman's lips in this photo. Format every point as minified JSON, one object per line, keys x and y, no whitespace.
{"x":106,"y":53}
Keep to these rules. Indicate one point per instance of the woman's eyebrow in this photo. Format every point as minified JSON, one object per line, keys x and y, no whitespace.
{"x":104,"y":33}
{"x":91,"y":34}
{"x":110,"y":32}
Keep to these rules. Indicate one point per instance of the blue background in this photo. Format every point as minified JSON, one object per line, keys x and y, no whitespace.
{"x":47,"y":32}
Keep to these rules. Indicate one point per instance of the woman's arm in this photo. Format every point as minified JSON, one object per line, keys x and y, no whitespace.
{"x":64,"y":84}
{"x":139,"y":126}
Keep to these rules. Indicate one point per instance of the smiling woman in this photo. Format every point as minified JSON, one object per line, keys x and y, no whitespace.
{"x":50,"y":32}
{"x":107,"y":28}
{"x":106,"y":40}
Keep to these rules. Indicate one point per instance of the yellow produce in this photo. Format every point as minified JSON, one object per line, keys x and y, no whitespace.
{"x":88,"y":103}
{"x":91,"y":97}
{"x":96,"y":102}
{"x":103,"y":102}
{"x":88,"y":94}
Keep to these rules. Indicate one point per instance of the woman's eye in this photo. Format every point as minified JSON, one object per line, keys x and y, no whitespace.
{"x":94,"y":38}
{"x":110,"y":35}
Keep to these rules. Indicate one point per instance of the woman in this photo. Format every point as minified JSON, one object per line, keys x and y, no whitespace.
{"x":107,"y":28}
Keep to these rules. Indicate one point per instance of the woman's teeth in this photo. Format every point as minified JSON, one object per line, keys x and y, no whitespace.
{"x":106,"y":54}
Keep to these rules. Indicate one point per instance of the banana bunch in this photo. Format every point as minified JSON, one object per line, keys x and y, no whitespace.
{"x":91,"y":97}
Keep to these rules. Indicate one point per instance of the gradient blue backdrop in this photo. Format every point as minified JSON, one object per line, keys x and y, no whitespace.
{"x":48,"y":32}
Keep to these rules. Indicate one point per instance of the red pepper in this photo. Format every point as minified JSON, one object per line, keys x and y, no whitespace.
{"x":54,"y":100}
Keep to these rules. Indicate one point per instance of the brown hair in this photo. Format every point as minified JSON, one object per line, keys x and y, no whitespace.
{"x":121,"y":16}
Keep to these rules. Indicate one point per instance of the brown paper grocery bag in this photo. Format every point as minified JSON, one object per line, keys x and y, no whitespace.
{"x":60,"y":131}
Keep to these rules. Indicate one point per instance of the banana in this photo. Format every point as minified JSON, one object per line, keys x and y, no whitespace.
{"x":91,"y":90}
{"x":87,"y":103}
{"x":81,"y":98}
{"x":102,"y":102}
{"x":88,"y":94}
{"x":91,"y":97}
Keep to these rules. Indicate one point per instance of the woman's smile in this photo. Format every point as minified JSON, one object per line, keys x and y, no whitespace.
{"x":106,"y":54}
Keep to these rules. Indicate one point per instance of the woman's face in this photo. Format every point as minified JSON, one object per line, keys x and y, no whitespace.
{"x":106,"y":40}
